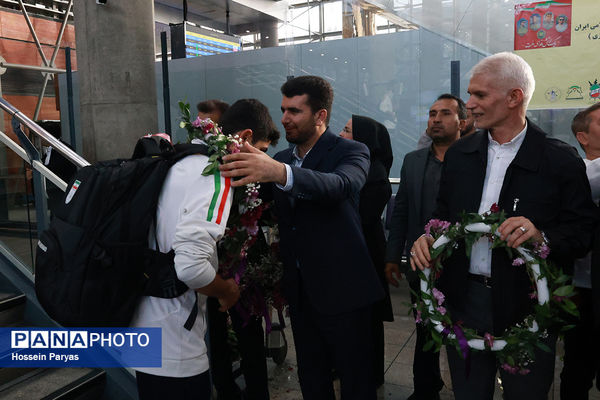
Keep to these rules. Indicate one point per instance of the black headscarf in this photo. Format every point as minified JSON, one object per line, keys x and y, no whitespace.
{"x":373,"y":134}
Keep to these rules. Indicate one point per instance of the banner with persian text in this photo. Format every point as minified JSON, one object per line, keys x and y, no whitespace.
{"x":567,"y":76}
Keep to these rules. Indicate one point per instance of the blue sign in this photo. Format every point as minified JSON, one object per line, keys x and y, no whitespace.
{"x":80,"y":347}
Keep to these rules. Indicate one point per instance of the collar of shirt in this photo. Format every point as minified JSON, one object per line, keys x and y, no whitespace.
{"x":513,"y":145}
{"x":431,"y":155}
{"x":296,"y":159}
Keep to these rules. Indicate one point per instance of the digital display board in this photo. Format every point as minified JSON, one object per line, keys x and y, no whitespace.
{"x":188,"y":40}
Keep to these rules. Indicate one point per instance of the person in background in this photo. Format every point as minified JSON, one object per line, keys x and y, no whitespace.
{"x":413,"y":208}
{"x":469,"y":125}
{"x":373,"y":199}
{"x":581,"y":361}
{"x":212,"y":109}
{"x":425,"y":139}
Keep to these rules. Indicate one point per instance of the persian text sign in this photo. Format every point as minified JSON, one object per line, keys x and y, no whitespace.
{"x":542,"y":24}
{"x":80,"y":347}
{"x":568,"y":77}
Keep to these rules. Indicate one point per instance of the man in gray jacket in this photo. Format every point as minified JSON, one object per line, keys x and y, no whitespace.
{"x":414,"y":204}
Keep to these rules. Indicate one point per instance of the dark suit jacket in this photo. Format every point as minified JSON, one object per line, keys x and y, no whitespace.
{"x":407,"y":222}
{"x":596,"y":281}
{"x":321,"y":237}
{"x":549,"y":179}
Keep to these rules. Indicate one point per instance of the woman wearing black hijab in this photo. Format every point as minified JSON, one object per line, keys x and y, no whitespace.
{"x":373,"y":199}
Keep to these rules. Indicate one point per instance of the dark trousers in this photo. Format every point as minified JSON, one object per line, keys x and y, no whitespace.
{"x":251,"y":346}
{"x":326,"y":342}
{"x":427,"y":379}
{"x":378,"y":350}
{"x":154,"y":387}
{"x":479,"y":384}
{"x":581,"y":361}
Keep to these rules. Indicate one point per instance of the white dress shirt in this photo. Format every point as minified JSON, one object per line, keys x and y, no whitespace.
{"x":499,"y":158}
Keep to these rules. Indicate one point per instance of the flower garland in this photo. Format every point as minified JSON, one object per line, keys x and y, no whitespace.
{"x":515,"y":348}
{"x":249,"y":253}
{"x":249,"y":250}
{"x":210,"y":133}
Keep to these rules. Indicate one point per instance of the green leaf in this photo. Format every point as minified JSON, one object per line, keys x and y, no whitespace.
{"x":567,"y":327}
{"x":543,"y":346}
{"x":208,"y":170}
{"x":428,"y":345}
{"x":564,"y":291}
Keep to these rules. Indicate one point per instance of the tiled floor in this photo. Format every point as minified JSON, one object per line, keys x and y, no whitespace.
{"x":400,"y":343}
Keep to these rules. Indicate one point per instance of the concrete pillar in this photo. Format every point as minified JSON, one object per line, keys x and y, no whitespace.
{"x":269,"y":36}
{"x":117,"y":90}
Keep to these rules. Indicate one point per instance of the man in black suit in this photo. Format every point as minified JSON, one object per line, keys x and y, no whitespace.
{"x":541,"y":185}
{"x":329,"y":279}
{"x":413,"y":208}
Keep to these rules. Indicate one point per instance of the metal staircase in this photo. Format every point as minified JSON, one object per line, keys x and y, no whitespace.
{"x":41,"y":383}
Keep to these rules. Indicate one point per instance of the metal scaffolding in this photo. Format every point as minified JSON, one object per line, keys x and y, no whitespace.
{"x":48,"y":66}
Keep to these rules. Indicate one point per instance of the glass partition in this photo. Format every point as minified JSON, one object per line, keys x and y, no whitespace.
{"x":18,"y":231}
{"x":392,"y":78}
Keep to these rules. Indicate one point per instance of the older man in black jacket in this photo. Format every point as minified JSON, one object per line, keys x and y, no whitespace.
{"x":542,"y":186}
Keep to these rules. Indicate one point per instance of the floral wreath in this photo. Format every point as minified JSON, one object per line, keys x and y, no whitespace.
{"x":249,"y":249}
{"x":515,"y":348}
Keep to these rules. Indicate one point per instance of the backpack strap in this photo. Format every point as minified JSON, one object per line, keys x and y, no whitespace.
{"x":189,"y":323}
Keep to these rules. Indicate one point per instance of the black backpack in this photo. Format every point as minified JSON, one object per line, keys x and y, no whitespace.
{"x":93,"y":263}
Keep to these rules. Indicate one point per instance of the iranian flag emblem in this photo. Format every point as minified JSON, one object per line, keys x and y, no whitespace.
{"x":72,"y":191}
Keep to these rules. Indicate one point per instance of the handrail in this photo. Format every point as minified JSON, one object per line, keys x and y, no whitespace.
{"x":14,"y":146}
{"x":42,"y":133}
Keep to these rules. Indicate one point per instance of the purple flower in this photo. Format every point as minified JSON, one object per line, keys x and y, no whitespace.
{"x":509,"y":369}
{"x":197,"y":123}
{"x":524,"y":371}
{"x":489,"y":339}
{"x":441,"y":310}
{"x":252,"y":230}
{"x":518,"y":261}
{"x":542,"y":250}
{"x":418,"y":319}
{"x":439,"y":296}
{"x":436,"y":226}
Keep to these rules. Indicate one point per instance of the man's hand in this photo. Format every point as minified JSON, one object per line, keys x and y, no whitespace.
{"x":252,"y":165}
{"x":517,"y":230}
{"x":419,"y":253}
{"x":392,"y":273}
{"x":231,"y":295}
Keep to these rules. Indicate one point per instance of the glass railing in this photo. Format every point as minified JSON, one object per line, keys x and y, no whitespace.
{"x":27,"y":186}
